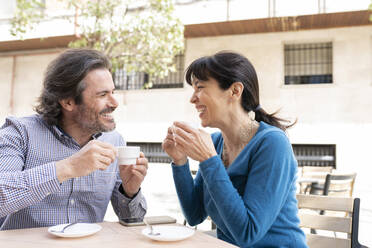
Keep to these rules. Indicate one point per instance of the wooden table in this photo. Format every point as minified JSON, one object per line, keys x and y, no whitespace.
{"x":112,"y":235}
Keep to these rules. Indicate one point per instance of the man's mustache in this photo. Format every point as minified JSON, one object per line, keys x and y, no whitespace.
{"x":107,"y":110}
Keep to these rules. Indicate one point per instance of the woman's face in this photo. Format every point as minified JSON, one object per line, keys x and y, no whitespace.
{"x":210,"y":101}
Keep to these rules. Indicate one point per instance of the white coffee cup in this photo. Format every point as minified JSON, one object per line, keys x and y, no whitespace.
{"x":194,"y":125}
{"x":128,"y":155}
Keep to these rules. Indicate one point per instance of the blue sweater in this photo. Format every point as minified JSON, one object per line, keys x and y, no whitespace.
{"x":253,"y":202}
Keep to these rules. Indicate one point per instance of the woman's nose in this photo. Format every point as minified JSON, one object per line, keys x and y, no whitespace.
{"x":193,"y":98}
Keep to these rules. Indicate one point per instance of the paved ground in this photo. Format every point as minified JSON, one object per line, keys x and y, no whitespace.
{"x":160,"y":193}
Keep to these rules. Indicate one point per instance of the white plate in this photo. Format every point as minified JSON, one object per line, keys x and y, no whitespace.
{"x":169,"y":233}
{"x":74,"y":231}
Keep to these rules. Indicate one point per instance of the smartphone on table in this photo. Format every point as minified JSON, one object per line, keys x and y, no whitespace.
{"x":152,"y":220}
{"x":132,"y":222}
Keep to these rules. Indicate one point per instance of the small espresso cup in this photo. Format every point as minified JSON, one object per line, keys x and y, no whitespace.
{"x":128,"y":155}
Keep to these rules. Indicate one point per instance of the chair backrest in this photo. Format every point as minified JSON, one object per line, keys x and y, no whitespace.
{"x":313,"y":172}
{"x":313,"y":220}
{"x":339,"y":185}
{"x":319,"y":172}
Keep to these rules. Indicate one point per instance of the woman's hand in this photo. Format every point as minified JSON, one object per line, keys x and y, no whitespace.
{"x":195,"y":143}
{"x":169,"y":146}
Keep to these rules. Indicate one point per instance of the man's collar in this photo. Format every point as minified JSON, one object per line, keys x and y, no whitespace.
{"x":97,"y":135}
{"x":62,"y":133}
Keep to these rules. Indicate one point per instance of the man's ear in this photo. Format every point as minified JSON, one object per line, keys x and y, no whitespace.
{"x":237,"y":89}
{"x":68,"y":104}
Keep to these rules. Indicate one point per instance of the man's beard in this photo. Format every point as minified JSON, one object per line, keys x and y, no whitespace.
{"x":89,"y":120}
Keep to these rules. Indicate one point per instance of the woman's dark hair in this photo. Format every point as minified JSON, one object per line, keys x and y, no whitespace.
{"x":227,"y":68}
{"x":64,"y":79}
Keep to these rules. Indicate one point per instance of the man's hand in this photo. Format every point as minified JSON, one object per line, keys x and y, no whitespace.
{"x":133,"y":175}
{"x":95,"y":155}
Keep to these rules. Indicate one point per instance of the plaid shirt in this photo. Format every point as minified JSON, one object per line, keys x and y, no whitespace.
{"x":30,"y":193}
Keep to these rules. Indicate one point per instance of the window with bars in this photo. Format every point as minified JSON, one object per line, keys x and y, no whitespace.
{"x":306,"y":155}
{"x":315,"y":155}
{"x":153,"y":152}
{"x":309,"y":63}
{"x":137,"y":80}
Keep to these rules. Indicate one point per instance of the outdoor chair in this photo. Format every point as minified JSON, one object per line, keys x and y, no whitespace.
{"x":335,"y":185}
{"x":348,"y":225}
{"x":313,"y":172}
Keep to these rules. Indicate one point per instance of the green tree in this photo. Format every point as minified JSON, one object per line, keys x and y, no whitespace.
{"x":138,"y":35}
{"x":27,"y":14}
{"x":370,"y":8}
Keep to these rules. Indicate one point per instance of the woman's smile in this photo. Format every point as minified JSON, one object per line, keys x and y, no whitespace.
{"x":201,"y":110}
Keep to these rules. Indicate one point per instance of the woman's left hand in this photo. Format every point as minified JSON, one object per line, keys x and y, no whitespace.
{"x":196,"y":143}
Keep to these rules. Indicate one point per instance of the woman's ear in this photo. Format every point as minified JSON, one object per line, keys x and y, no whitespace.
{"x":237,"y":89}
{"x":67,"y":104}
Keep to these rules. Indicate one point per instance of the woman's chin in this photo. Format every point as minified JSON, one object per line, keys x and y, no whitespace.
{"x":204,"y":123}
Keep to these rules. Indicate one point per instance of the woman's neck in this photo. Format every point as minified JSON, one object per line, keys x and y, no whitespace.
{"x":237,"y":135}
{"x":238,"y":130}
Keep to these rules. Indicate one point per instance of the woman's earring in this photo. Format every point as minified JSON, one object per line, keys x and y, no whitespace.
{"x":252,"y":115}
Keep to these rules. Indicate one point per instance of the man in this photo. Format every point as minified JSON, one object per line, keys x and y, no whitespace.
{"x":59,"y":166}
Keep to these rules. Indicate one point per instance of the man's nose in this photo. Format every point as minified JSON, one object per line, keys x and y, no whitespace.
{"x":113,"y":101}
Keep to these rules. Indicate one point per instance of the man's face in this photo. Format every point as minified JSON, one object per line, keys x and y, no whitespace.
{"x":94,"y":113}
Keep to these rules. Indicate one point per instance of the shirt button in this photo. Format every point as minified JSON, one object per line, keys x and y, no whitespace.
{"x":72,"y":201}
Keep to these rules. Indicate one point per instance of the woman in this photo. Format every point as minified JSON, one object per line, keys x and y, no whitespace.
{"x":247,"y":172}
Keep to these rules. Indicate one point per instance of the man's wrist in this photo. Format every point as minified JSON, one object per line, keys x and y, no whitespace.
{"x":63,"y":171}
{"x":128,"y":195}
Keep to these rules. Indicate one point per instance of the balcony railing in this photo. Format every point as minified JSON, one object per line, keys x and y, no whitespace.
{"x":139,"y":80}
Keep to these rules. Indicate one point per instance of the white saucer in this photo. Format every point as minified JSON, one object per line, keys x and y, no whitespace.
{"x":169,"y":233}
{"x":75,"y":231}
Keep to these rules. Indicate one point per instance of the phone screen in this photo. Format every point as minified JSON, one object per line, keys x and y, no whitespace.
{"x":132,"y":221}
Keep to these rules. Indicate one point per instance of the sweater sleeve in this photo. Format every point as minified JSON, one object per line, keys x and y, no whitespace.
{"x":190,"y":194}
{"x":271,"y":172}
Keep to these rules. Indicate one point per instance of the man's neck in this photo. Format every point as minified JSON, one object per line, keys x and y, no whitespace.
{"x":80,"y":135}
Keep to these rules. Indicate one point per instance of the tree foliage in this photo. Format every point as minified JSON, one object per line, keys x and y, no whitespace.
{"x":138,"y":35}
{"x":370,"y":8}
{"x":28,"y":13}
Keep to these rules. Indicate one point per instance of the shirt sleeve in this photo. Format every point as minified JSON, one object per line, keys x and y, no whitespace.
{"x":190,"y":193}
{"x":271,"y":173}
{"x":21,"y":188}
{"x":124,"y":206}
